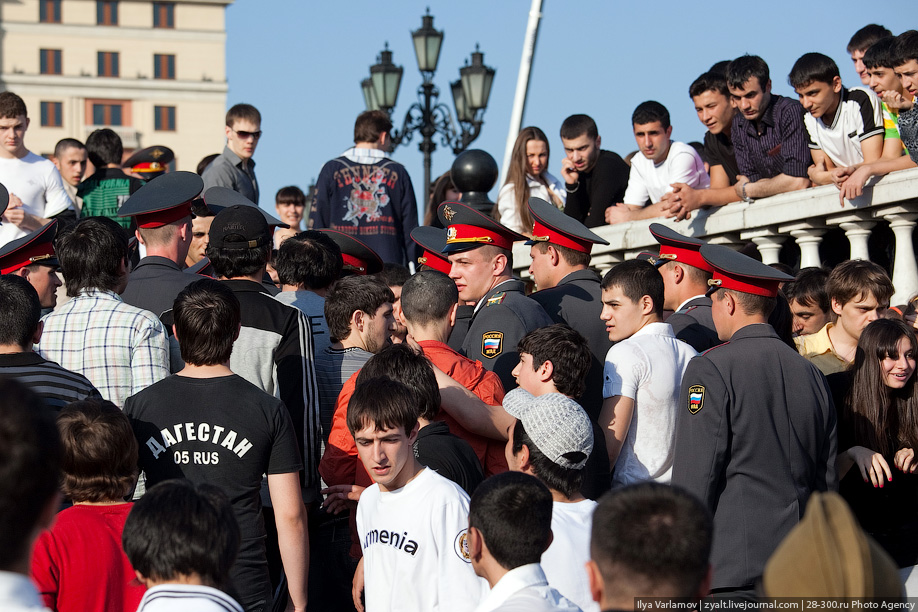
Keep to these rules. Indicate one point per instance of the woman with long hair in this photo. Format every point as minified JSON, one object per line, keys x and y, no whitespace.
{"x":527,"y":177}
{"x":877,"y":401}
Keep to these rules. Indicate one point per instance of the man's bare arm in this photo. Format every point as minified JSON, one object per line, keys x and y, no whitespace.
{"x":766,"y":187}
{"x":489,"y":421}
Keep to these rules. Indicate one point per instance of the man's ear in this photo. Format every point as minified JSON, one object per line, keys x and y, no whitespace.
{"x":598,"y":141}
{"x":555,"y":255}
{"x":139,"y":237}
{"x":730,"y":300}
{"x":499,"y":264}
{"x":546,"y":371}
{"x":36,"y":337}
{"x":597,"y":586}
{"x":836,"y":307}
{"x":228,"y":130}
{"x":358,"y":320}
{"x":413,"y":434}
{"x":646,"y":304}
{"x":678,"y":273}
{"x":669,"y":131}
{"x":836,"y":84}
{"x":476,"y":544}
{"x":452,"y":314}
{"x":523,"y":458}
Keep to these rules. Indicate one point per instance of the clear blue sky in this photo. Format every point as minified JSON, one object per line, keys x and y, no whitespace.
{"x":301,"y":63}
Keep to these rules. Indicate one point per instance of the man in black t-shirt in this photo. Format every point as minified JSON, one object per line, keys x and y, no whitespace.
{"x":711,"y":98}
{"x":207,"y":424}
{"x":594,"y":179}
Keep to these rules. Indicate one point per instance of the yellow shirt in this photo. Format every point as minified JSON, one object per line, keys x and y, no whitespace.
{"x":818,"y":349}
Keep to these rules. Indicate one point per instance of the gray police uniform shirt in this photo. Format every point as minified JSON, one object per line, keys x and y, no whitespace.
{"x":154,"y":284}
{"x":694,"y":325}
{"x":503,"y":317}
{"x":755,"y":436}
{"x":460,"y":330}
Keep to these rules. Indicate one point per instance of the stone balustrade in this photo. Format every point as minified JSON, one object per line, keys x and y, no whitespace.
{"x":802,"y":216}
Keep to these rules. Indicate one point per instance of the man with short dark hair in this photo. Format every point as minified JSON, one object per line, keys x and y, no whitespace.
{"x":70,"y":160}
{"x":109,"y":187}
{"x":36,"y":190}
{"x":509,"y":529}
{"x":662,"y":163}
{"x":755,"y":425}
{"x":769,"y":138}
{"x":234,"y":168}
{"x":808,"y":300}
{"x":845,"y":125}
{"x":201,"y":218}
{"x":641,"y":376}
{"x":32,"y":257}
{"x":595,"y":179}
{"x":120,"y":348}
{"x":649,"y":541}
{"x":367,"y":194}
{"x":30,"y":453}
{"x":20,"y":328}
{"x":905,"y":57}
{"x":395,"y":275}
{"x":712,"y":102}
{"x":860,"y":42}
{"x":210,"y":425}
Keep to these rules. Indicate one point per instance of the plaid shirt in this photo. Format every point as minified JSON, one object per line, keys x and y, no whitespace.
{"x":121,"y":349}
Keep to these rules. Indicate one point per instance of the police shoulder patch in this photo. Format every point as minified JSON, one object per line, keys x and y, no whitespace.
{"x":492,"y":344}
{"x":461,"y":546}
{"x":496,"y":299}
{"x":695,"y":398}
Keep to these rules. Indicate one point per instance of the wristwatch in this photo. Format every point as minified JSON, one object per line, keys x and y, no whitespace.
{"x":745,"y":197}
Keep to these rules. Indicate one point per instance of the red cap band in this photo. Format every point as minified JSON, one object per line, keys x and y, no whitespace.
{"x":762,"y":286}
{"x":163,"y":217}
{"x":33,"y":253}
{"x":542,"y":233}
{"x":475,"y":234}
{"x":690,"y":257}
{"x":148,"y":167}
{"x":437,"y":263}
{"x":354,"y":264}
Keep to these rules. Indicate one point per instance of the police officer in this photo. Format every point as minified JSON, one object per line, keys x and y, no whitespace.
{"x":162,"y":211}
{"x":755,"y":427}
{"x":432,"y":241}
{"x":32,"y":257}
{"x":685,"y":281}
{"x":149,"y":163}
{"x":569,"y":292}
{"x":358,"y":258}
{"x":479,"y":249}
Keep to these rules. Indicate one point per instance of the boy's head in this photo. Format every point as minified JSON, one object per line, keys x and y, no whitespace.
{"x":20,"y":312}
{"x":509,"y":521}
{"x":809,"y":303}
{"x":207,"y":319}
{"x":581,"y":141}
{"x":401,"y":363}
{"x":239,"y":242}
{"x":382,"y":415}
{"x":30,"y":457}
{"x":429,"y":298}
{"x":290,"y":202}
{"x":14,"y":121}
{"x":860,"y":42}
{"x":749,"y":83}
{"x":816,"y":80}
{"x":243,"y":129}
{"x":905,"y":57}
{"x":859,"y":292}
{"x":551,"y":440}
{"x":711,"y":97}
{"x":649,"y":540}
{"x":632,"y":296}
{"x":99,"y":452}
{"x":94,"y":254}
{"x":104,"y":147}
{"x":395,"y":275}
{"x":372,"y":127}
{"x":311,"y":259}
{"x":359,"y":308}
{"x":182,"y":532}
{"x":880,"y":64}
{"x":553,"y":359}
{"x":652,"y":130}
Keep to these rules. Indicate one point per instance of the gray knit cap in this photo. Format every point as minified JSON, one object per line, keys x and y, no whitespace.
{"x":556,"y":424}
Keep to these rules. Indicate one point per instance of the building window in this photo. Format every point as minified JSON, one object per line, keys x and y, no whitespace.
{"x":164,"y":118}
{"x":52,"y":114}
{"x":110,"y":113}
{"x":163,"y":66}
{"x":106,"y":12}
{"x":163,"y":14}
{"x":49,"y":11}
{"x":50,"y":61}
{"x":108,"y":64}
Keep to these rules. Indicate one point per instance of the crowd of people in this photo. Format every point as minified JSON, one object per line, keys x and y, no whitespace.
{"x":339,"y":409}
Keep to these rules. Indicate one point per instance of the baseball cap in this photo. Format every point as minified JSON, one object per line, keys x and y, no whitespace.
{"x":556,"y":424}
{"x":239,"y":227}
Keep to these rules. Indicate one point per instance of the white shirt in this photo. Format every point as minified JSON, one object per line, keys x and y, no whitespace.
{"x":18,"y":594}
{"x":187,"y":598}
{"x":649,"y":180}
{"x":859,"y":116}
{"x":563,"y":562}
{"x":415,"y":547}
{"x":506,"y":200}
{"x":524,"y":589}
{"x":37,"y":182}
{"x":648,"y":368}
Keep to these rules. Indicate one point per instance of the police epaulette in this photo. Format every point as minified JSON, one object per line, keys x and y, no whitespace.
{"x":496,"y":299}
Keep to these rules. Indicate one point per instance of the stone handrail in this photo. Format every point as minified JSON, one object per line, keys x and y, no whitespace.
{"x":801,"y":215}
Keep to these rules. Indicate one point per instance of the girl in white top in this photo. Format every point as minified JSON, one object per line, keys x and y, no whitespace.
{"x":527,"y":177}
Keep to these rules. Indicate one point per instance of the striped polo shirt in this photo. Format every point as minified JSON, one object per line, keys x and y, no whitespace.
{"x":858,"y":116}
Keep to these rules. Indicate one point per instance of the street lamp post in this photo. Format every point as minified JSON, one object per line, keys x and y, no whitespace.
{"x":428,"y":116}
